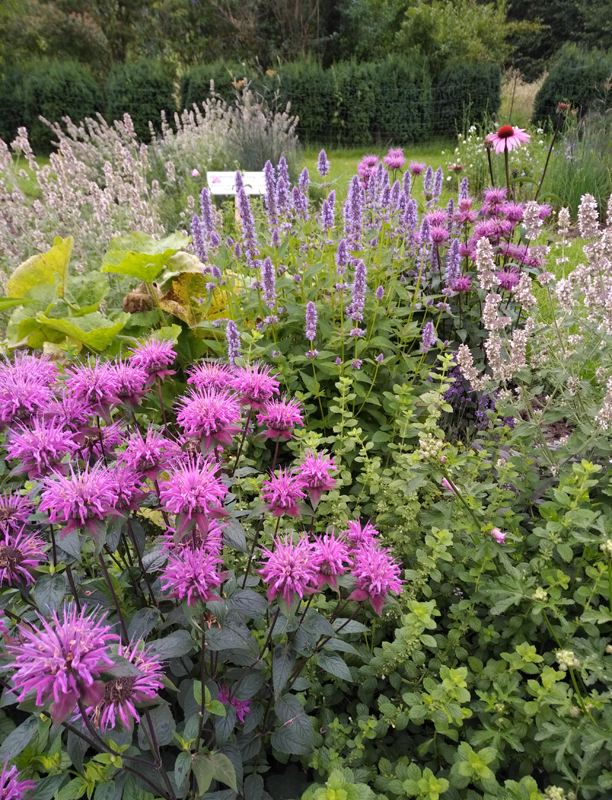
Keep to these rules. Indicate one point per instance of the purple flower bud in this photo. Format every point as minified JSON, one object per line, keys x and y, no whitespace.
{"x":342,"y":254}
{"x":322,"y":164}
{"x":276,"y":240}
{"x":311,"y":321}
{"x":380,"y":293}
{"x":356,"y":363}
{"x":311,"y":353}
{"x":297,"y":278}
{"x":373,"y":242}
{"x":380,"y":358}
{"x":237,"y":250}
{"x":356,"y":333}
{"x":338,"y":361}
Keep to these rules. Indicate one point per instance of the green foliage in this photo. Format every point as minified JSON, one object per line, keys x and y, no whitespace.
{"x":54,"y":89}
{"x":195,"y":82}
{"x":143,"y":89}
{"x":578,"y":77}
{"x":12,"y":112}
{"x":466,"y":93}
{"x":311,"y":91}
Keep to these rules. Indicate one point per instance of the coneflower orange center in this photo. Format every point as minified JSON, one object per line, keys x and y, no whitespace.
{"x":505,"y":131}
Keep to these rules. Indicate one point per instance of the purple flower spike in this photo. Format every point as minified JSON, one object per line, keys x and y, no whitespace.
{"x":380,"y":358}
{"x":355,"y":310}
{"x":81,"y":500}
{"x":327,"y":215}
{"x":282,"y":492}
{"x":428,"y":182}
{"x":254,"y":385}
{"x":62,"y":660}
{"x":356,"y":363}
{"x":154,"y":356}
{"x":268,"y":282}
{"x":304,"y":180}
{"x":376,"y":574}
{"x":380,"y":293}
{"x":311,"y":321}
{"x":314,"y":475}
{"x":453,"y":262}
{"x":193,"y":575}
{"x":233,"y":342}
{"x":322,"y":164}
{"x":194,"y":492}
{"x":332,"y":559}
{"x":428,"y":337}
{"x":270,"y":196}
{"x":210,"y":415}
{"x":19,"y":553}
{"x":40,"y":448}
{"x":342,"y":254}
{"x":290,"y":569}
{"x":208,"y":221}
{"x":121,"y":694}
{"x":247,"y":222}
{"x":280,"y":418}
{"x":199,"y":241}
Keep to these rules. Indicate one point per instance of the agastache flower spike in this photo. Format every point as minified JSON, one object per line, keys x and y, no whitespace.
{"x":453,"y":262}
{"x":355,"y":310}
{"x":270,"y":196}
{"x":464,"y":189}
{"x":290,"y":569}
{"x":208,"y":221}
{"x":428,"y":182}
{"x":322,"y":164}
{"x":428,"y":337}
{"x":62,"y":660}
{"x":249,"y":236}
{"x":282,"y":492}
{"x":304,"y":180}
{"x":233,"y":342}
{"x":311,"y":321}
{"x":268,"y":282}
{"x":199,"y":242}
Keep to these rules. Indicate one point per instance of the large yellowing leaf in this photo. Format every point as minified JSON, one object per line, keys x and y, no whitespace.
{"x":140,"y":255}
{"x":93,"y":330}
{"x":50,"y":267}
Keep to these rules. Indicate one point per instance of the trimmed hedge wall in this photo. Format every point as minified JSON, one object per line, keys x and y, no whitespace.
{"x":143,"y":89}
{"x":466,"y":93}
{"x":576,"y":77}
{"x":195,"y":83}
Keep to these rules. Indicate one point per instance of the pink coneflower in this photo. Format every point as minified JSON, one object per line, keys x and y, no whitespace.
{"x":242,"y":706}
{"x":121,"y":694}
{"x":22,"y":396}
{"x":507,"y":138}
{"x":154,"y":356}
{"x":194,"y":575}
{"x":457,"y":167}
{"x":358,"y":535}
{"x":209,"y":414}
{"x":462,"y":285}
{"x":395,"y":159}
{"x":40,"y":448}
{"x":332,"y":559}
{"x":11,"y":788}
{"x":151,"y":455}
{"x":210,"y":375}
{"x":289,"y":569}
{"x":98,"y":441}
{"x":280,"y":418}
{"x":282,"y":492}
{"x":19,"y":553}
{"x":416,"y":168}
{"x":508,"y":278}
{"x":314,"y":474}
{"x":14,"y":511}
{"x":254,"y":385}
{"x":194,"y":492}
{"x":62,"y":660}
{"x":94,"y":384}
{"x":376,"y":575}
{"x":128,"y":488}
{"x":80,"y":500}
{"x":498,"y":535}
{"x":132,"y":381}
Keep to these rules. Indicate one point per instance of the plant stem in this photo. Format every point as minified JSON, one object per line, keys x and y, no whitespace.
{"x":114,"y":596}
{"x":244,"y":435}
{"x":140,"y":564}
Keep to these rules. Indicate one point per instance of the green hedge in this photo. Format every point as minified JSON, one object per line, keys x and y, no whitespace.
{"x":466,"y":94}
{"x":195,"y":83}
{"x":55,"y":89}
{"x":143,"y":89}
{"x":310,"y":90}
{"x":576,"y":77}
{"x":12,"y":114}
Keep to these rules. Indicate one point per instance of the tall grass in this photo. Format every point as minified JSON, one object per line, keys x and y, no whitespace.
{"x":518,"y":98}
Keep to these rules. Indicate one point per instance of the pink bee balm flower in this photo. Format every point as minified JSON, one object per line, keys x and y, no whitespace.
{"x":132,"y":381}
{"x":290,"y":569}
{"x":448,"y":485}
{"x":439,"y":235}
{"x":40,"y":448}
{"x":38,"y":366}
{"x":11,"y":788}
{"x":282,"y":492}
{"x":242,"y":706}
{"x":376,"y":575}
{"x":254,"y":385}
{"x":280,"y":418}
{"x":81,"y":500}
{"x":154,"y":356}
{"x":128,"y":488}
{"x":22,"y":396}
{"x":62,"y":660}
{"x":211,"y":541}
{"x":498,"y":535}
{"x":367,"y":167}
{"x":209,"y":414}
{"x":98,"y":441}
{"x":462,"y":285}
{"x":314,"y":474}
{"x":332,"y":558}
{"x":69,"y":411}
{"x":416,"y":168}
{"x":395,"y":159}
{"x":151,"y":455}
{"x":358,"y":535}
{"x":210,"y":375}
{"x":14,"y":511}
{"x":507,"y":138}
{"x":121,"y":694}
{"x":508,"y":278}
{"x":192,"y":574}
{"x":19,"y":553}
{"x":94,"y":384}
{"x":3,"y":628}
{"x":193,"y":492}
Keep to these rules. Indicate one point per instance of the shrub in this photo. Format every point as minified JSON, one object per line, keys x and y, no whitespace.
{"x":578,"y":77}
{"x":310,"y":90}
{"x":195,"y":83}
{"x":466,"y":93}
{"x":56,"y":89}
{"x":11,"y":104}
{"x":402,"y":111}
{"x":144,"y":90}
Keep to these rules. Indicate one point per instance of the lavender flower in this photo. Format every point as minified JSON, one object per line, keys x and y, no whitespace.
{"x":453,"y":262}
{"x":121,"y":694}
{"x":268,"y":279}
{"x":11,"y":788}
{"x":282,"y":491}
{"x":192,"y":575}
{"x":428,"y":337}
{"x":355,"y":309}
{"x":210,"y":415}
{"x":19,"y":553}
{"x":376,"y":576}
{"x":62,"y":660}
{"x":233,"y":342}
{"x":290,"y":569}
{"x":81,"y":500}
{"x":194,"y":492}
{"x":40,"y":448}
{"x":311,"y":321}
{"x":249,"y":236}
{"x":322,"y":164}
